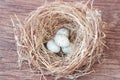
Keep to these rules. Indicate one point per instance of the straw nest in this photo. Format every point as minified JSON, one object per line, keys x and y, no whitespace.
{"x":86,"y":33}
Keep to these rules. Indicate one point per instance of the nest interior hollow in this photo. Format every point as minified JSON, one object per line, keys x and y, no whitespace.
{"x":86,"y":32}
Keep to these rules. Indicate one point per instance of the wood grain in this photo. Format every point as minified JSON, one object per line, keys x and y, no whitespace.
{"x":109,"y":69}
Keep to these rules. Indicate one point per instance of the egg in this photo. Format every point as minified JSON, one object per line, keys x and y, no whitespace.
{"x":61,"y":40}
{"x":52,"y":46}
{"x":67,"y":50}
{"x":63,"y":31}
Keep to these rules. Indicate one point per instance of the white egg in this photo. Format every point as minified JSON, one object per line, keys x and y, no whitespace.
{"x":63,"y":31}
{"x":61,"y":40}
{"x":67,"y":50}
{"x":52,"y":46}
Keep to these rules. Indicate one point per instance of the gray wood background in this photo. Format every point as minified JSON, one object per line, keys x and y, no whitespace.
{"x":108,"y":70}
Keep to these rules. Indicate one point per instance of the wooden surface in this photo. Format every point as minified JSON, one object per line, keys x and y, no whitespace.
{"x":108,"y":70}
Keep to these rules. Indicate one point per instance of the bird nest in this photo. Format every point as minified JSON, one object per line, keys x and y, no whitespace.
{"x":86,"y":33}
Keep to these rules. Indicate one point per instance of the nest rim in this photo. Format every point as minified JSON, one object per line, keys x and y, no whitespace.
{"x":84,"y":55}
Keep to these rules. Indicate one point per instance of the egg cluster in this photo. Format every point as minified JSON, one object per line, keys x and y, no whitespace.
{"x":60,"y":42}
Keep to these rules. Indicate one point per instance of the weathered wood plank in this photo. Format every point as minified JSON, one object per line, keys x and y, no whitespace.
{"x":108,"y":70}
